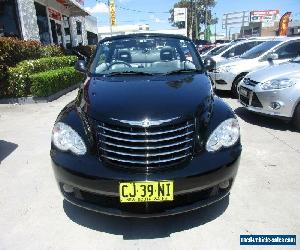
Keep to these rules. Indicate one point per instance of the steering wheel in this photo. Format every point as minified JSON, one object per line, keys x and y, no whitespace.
{"x":119,"y":62}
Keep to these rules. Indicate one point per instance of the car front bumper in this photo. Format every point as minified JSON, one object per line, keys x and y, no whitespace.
{"x":279,"y":103}
{"x":222,"y":80}
{"x":198,"y":184}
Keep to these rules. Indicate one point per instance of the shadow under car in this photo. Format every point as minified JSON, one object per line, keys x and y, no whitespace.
{"x":141,"y":228}
{"x":263,"y":120}
{"x":6,"y":148}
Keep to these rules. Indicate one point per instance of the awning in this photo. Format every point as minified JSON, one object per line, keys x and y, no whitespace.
{"x":75,"y":8}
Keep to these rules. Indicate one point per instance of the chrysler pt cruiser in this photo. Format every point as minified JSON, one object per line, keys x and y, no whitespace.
{"x":145,"y":135}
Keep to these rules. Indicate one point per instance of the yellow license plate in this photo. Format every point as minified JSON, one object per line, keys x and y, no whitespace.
{"x":148,"y":191}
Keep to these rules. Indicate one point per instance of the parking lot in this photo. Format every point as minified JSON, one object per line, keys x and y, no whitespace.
{"x":264,"y":200}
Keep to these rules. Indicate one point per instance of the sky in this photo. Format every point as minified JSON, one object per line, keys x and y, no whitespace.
{"x":156,"y":12}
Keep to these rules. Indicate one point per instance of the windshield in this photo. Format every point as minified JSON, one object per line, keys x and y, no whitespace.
{"x":220,"y":50}
{"x":145,"y":55}
{"x":259,"y":49}
{"x":214,"y":51}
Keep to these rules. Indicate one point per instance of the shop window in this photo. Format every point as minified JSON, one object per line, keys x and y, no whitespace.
{"x":9,"y":22}
{"x":67,"y":31}
{"x":66,"y":26}
{"x":42,"y":22}
{"x":79,"y":28}
{"x":56,"y":32}
{"x":92,"y":38}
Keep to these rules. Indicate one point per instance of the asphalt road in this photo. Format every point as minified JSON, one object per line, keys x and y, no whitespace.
{"x":33,"y":215}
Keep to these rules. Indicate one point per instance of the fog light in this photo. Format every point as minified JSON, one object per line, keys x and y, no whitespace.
{"x":275,"y":105}
{"x":224,"y":185}
{"x":68,"y":189}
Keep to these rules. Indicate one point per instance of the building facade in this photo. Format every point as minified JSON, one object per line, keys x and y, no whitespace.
{"x":266,"y":23}
{"x":107,"y":31}
{"x":61,"y":22}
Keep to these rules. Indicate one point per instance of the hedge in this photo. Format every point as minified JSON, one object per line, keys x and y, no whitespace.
{"x":19,"y":76}
{"x":50,"y":82}
{"x":13,"y":51}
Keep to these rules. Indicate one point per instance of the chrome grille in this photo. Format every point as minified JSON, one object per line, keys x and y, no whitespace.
{"x":146,"y":148}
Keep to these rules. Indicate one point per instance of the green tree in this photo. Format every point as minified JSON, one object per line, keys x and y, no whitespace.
{"x":199,"y":12}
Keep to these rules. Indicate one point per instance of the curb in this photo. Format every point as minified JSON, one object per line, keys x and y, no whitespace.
{"x":31,"y":100}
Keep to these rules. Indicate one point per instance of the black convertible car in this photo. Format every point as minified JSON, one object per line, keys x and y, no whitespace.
{"x":145,"y":136}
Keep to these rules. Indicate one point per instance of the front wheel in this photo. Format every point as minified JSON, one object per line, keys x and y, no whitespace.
{"x":296,"y":118}
{"x":234,"y":88}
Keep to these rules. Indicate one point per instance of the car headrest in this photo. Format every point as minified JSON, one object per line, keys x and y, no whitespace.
{"x":125,"y":56}
{"x":166,"y":54}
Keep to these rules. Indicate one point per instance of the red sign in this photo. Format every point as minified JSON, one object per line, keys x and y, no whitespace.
{"x":63,"y":2}
{"x":54,"y":14}
{"x":264,"y":12}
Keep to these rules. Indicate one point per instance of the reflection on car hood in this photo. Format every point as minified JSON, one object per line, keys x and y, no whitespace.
{"x":284,"y":70}
{"x":230,"y":61}
{"x":157,"y":97}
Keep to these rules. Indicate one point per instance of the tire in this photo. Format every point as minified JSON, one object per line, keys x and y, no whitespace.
{"x":296,"y":118}
{"x":235,"y":83}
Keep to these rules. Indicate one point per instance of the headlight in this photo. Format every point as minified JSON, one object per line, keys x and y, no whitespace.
{"x":67,"y":139}
{"x":278,"y":84}
{"x":225,"y":135}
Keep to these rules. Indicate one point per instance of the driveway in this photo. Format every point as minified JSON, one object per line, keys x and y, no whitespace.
{"x":33,"y":215}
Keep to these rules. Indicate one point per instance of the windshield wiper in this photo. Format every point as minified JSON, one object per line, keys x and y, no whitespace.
{"x":182,"y":71}
{"x":128,"y":73}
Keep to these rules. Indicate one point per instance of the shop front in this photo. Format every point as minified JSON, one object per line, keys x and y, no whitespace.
{"x":60,"y":22}
{"x":65,"y":22}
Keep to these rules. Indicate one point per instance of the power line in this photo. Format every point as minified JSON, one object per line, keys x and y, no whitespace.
{"x":134,"y":10}
{"x":142,"y":11}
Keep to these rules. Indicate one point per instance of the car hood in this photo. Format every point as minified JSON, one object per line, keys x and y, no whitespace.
{"x":156,"y":98}
{"x":283,"y":70}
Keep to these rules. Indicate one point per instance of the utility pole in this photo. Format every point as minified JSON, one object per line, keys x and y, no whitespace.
{"x":196,"y":24}
{"x":215,"y":27}
{"x":205,"y":6}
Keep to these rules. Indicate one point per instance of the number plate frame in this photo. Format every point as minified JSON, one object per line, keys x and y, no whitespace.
{"x":146,"y":191}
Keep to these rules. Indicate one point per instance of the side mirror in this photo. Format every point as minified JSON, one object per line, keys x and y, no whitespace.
{"x":272,"y":57}
{"x":209,"y":64}
{"x":80,"y":66}
{"x":231,"y":54}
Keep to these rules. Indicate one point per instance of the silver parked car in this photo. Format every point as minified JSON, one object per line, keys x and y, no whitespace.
{"x":276,"y":51}
{"x":273,"y":91}
{"x":235,"y":49}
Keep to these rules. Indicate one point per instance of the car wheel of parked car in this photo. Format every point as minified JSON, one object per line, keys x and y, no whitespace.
{"x":234,"y":88}
{"x":296,"y":119}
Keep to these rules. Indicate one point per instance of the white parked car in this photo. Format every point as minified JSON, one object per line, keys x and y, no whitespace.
{"x":276,"y":51}
{"x":213,"y":51}
{"x":273,"y":91}
{"x":235,"y":49}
